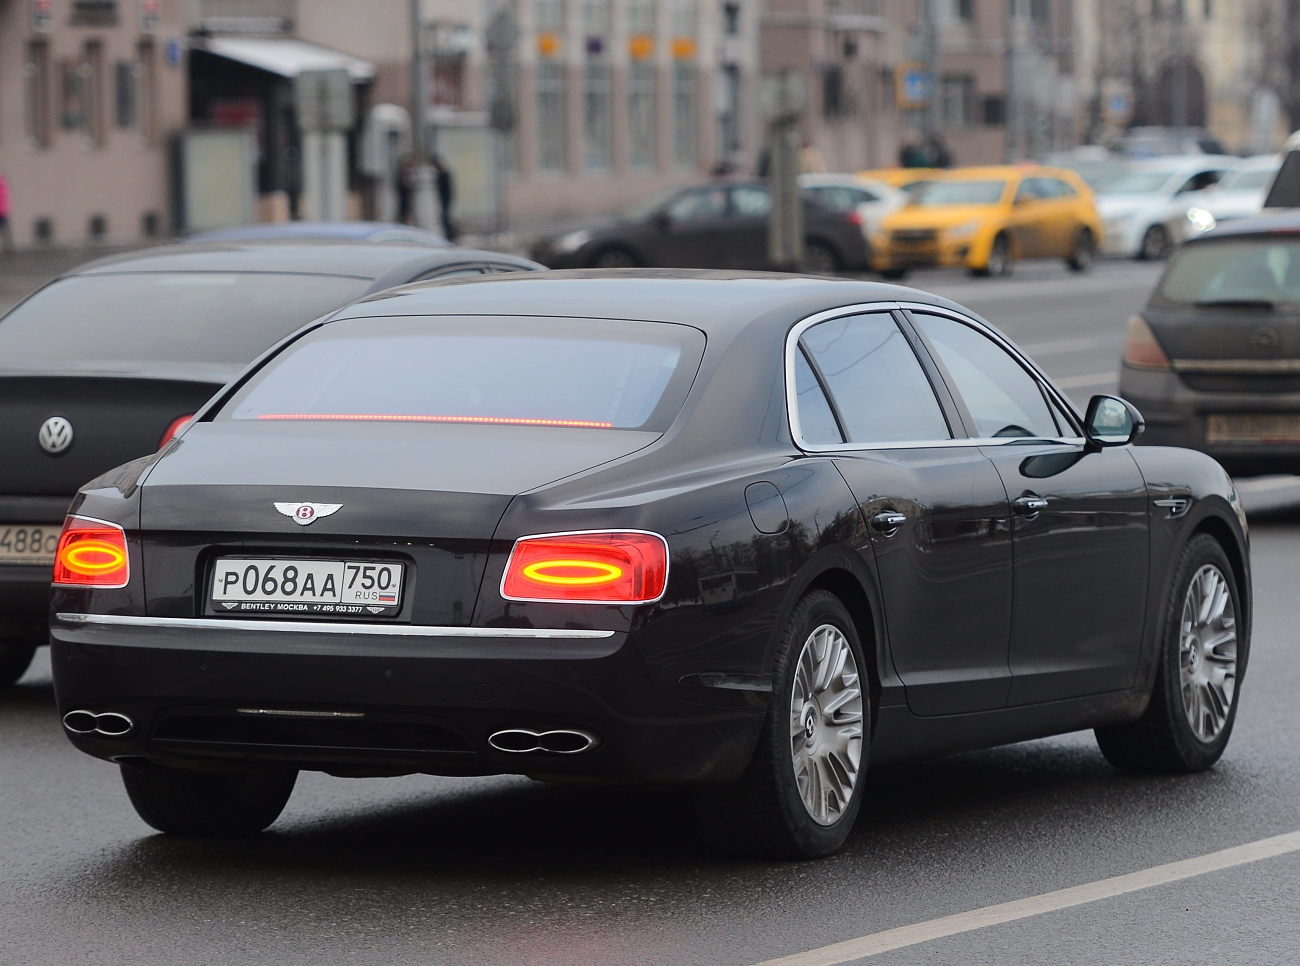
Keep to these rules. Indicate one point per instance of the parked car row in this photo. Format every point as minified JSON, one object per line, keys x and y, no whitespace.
{"x":748,"y":534}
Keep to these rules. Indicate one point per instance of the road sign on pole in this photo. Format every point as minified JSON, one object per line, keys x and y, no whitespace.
{"x":914,"y":88}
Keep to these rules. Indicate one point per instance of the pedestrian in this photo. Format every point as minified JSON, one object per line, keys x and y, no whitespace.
{"x":6,"y":235}
{"x":446,"y":194}
{"x":937,"y":151}
{"x":405,"y":190}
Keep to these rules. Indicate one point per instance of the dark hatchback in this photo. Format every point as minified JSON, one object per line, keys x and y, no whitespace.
{"x":107,"y":362}
{"x":720,"y":225}
{"x":747,"y":533}
{"x":1213,"y":360}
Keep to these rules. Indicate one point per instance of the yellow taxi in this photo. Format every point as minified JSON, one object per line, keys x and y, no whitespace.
{"x":987,"y":218}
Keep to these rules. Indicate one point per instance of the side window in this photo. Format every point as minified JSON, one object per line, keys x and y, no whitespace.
{"x":816,"y":421}
{"x":1063,"y":189}
{"x":455,"y":271}
{"x":699,"y":205}
{"x":1001,"y":396}
{"x":750,"y":202}
{"x":876,"y":384}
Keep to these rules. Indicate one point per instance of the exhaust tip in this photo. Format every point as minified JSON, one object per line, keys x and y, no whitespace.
{"x":109,"y":724}
{"x":554,"y":741}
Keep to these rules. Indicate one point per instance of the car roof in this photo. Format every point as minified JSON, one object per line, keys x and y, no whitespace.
{"x":1286,"y":222}
{"x":355,"y":260}
{"x":1258,"y":162}
{"x":1175,"y":163}
{"x":344,"y":230}
{"x":715,"y":301}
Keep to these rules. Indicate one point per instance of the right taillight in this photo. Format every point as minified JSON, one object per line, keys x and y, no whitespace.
{"x":1141,"y":350}
{"x":594,"y":567}
{"x":91,"y":553}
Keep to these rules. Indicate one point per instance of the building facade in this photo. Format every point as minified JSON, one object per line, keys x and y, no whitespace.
{"x":91,"y":93}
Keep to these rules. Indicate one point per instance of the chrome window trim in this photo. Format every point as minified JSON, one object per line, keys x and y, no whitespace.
{"x":792,"y":401}
{"x":322,"y":627}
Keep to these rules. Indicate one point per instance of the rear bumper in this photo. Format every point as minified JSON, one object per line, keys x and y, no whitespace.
{"x":1177,"y":415}
{"x":347,"y":703}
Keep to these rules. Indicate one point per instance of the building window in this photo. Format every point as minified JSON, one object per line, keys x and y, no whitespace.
{"x":957,"y":101}
{"x":962,"y":11}
{"x":641,"y":114}
{"x":125,"y":101}
{"x":597,"y":96}
{"x":72,"y":87}
{"x":685,"y":99}
{"x":731,"y":18}
{"x":146,"y":95}
{"x":551,"y":92}
{"x":502,"y":87}
{"x":36,"y":73}
{"x":728,"y":80}
{"x":551,"y":116}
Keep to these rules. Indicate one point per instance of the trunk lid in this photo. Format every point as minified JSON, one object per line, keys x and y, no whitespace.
{"x":429,"y":496}
{"x":1229,"y":348}
{"x":114,"y":419}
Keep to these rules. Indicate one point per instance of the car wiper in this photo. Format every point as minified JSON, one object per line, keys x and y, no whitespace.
{"x":1236,"y":303}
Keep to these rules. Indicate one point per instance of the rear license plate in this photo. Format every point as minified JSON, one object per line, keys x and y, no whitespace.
{"x":1253,"y":428}
{"x":274,"y":585}
{"x":27,"y":543}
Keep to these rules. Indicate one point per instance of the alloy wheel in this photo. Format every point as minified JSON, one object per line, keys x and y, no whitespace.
{"x":1207,"y":653}
{"x":826,"y":724}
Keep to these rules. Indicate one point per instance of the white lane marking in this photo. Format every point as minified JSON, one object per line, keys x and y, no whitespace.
{"x":1065,"y":345}
{"x":880,"y":942}
{"x":1093,"y":379}
{"x":1266,"y":483}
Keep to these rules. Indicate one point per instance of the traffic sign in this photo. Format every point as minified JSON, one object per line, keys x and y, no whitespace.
{"x":915,"y":86}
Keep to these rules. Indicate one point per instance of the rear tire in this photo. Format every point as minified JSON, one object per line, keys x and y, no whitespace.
{"x":894,"y":274}
{"x":614,"y":258}
{"x":207,"y":803}
{"x":820,"y":259}
{"x":802,"y":791}
{"x":18,"y":644}
{"x":1193,"y":704}
{"x":1085,"y":249}
{"x":1155,"y":244}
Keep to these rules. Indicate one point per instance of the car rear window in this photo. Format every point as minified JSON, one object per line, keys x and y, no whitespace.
{"x":1241,"y":271}
{"x":207,"y":317}
{"x":544,"y":372}
{"x":962,"y":193}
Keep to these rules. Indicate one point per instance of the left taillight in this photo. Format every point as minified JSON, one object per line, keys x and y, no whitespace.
{"x":174,"y":430}
{"x":91,"y":553}
{"x":591,"y":567}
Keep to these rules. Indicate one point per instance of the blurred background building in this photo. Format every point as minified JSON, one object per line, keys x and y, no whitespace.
{"x":129,"y":118}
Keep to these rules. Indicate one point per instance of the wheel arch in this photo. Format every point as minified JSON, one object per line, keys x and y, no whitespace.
{"x":1219,"y":528}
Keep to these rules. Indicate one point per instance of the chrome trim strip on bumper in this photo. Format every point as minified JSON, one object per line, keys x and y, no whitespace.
{"x":1242,"y":367}
{"x":321,"y":627}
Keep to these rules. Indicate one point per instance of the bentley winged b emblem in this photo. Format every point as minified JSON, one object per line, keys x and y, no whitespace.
{"x":304,"y":513}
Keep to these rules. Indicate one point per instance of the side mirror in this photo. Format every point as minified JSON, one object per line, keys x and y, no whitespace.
{"x":661,"y":220}
{"x":1112,"y":421}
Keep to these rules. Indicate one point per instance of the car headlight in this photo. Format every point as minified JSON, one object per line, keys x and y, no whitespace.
{"x":958,"y":232}
{"x":572,"y":241}
{"x":1201,"y":219}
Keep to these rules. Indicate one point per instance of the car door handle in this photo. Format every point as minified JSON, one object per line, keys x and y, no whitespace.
{"x":888,"y":521}
{"x":1030,"y":505}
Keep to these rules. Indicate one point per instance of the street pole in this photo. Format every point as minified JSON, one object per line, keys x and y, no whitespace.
{"x":423,"y":199}
{"x":1011,"y":107}
{"x":785,"y":98}
{"x":1178,"y":82}
{"x":931,"y":34}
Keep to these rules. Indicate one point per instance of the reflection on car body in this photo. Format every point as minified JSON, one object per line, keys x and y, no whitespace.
{"x":745,"y":533}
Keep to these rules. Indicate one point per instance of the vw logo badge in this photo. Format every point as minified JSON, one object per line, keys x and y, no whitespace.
{"x":55,"y":435}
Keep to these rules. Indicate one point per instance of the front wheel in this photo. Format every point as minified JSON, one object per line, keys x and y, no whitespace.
{"x":819,"y":259}
{"x":803,"y":788}
{"x":1193,"y":704}
{"x":999,"y":262}
{"x":207,"y":803}
{"x":614,"y":258}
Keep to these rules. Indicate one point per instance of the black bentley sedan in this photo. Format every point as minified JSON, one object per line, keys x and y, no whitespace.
{"x":106,"y":363}
{"x":746,"y":533}
{"x":1214,"y":358}
{"x":716,"y":225}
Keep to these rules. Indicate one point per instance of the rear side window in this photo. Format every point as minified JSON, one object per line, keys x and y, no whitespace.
{"x":875,"y":382}
{"x":579,"y":373}
{"x":186,"y":317}
{"x":1001,"y":396}
{"x":1259,"y":271}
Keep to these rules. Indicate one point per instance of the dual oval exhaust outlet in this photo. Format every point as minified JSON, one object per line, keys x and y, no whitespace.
{"x":108,"y":724}
{"x":554,"y":741}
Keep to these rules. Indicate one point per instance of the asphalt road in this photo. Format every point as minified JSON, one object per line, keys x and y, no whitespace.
{"x":504,"y":871}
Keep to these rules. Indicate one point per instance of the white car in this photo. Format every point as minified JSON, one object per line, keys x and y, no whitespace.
{"x":872,"y":200}
{"x":1141,"y":211}
{"x":1239,"y":194}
